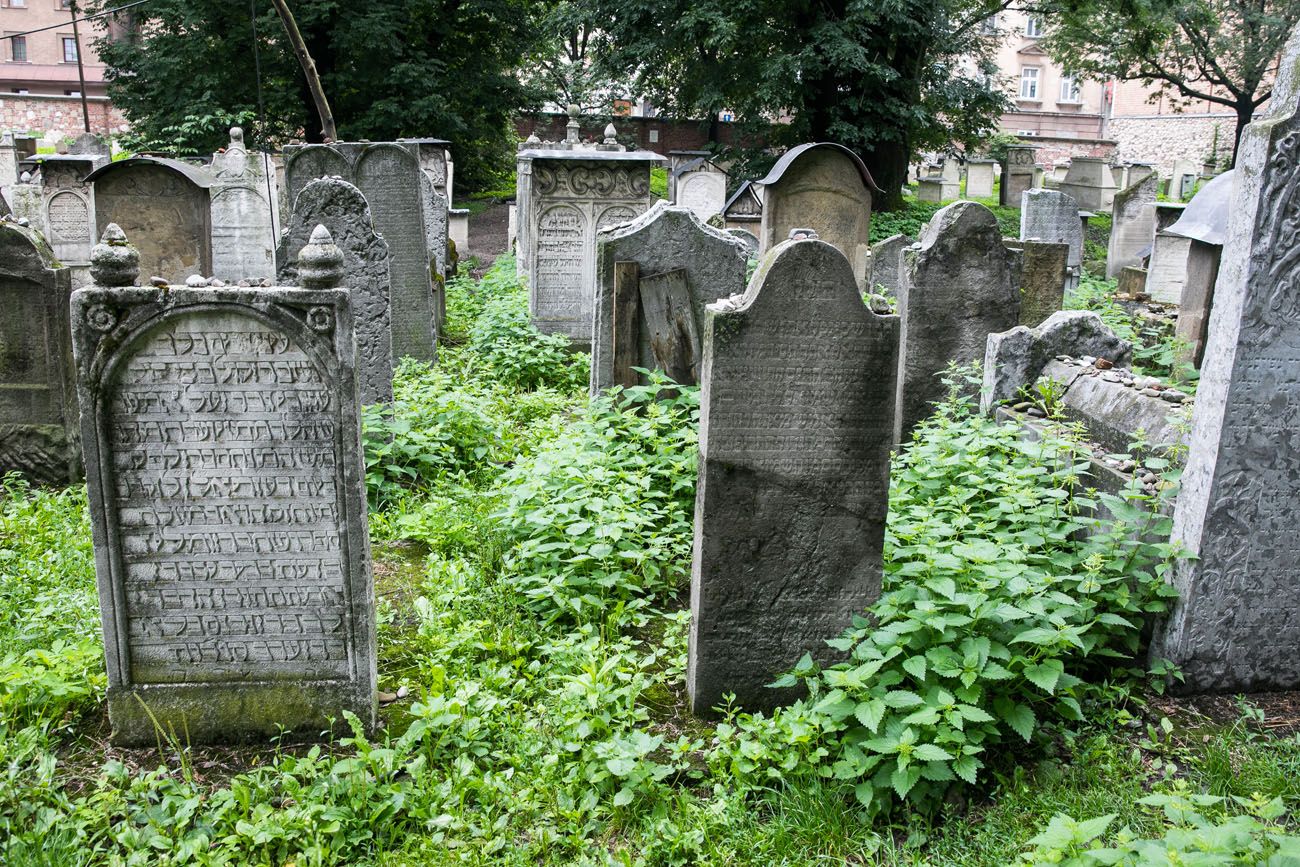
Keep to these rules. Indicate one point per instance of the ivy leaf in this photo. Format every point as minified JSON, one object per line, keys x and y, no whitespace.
{"x":1045,"y":674}
{"x":915,"y":666}
{"x":870,"y":713}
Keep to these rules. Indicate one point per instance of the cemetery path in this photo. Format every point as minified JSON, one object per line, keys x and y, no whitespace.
{"x":487,"y":232}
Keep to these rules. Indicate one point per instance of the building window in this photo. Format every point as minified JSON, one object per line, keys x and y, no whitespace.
{"x":1034,"y":27}
{"x":21,"y":90}
{"x":18,"y":49}
{"x":65,"y":4}
{"x":989,"y":25}
{"x":17,"y":4}
{"x":1026,"y":132}
{"x":1029,"y":82}
{"x":1069,"y":89}
{"x":69,"y":50}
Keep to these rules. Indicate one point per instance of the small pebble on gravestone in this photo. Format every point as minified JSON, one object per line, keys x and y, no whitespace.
{"x":157,"y":281}
{"x":1022,"y":406}
{"x":1036,"y":412}
{"x":1150,"y":392}
{"x":1104,"y":364}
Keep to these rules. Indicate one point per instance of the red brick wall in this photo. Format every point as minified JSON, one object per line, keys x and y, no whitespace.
{"x":60,"y":115}
{"x":1053,"y":150}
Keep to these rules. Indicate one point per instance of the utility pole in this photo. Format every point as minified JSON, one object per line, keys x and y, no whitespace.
{"x":81,"y":69}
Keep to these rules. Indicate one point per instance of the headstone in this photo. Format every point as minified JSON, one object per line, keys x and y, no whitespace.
{"x":1179,"y":186}
{"x":342,"y":210}
{"x":1138,"y":172}
{"x":1205,"y":223}
{"x":1236,"y":624}
{"x":1131,"y":282}
{"x":1050,"y":215}
{"x":27,"y":201}
{"x":935,"y":190}
{"x":1044,"y":268}
{"x":824,"y":187}
{"x":569,"y":195}
{"x":1015,"y":359}
{"x":959,"y":291}
{"x":795,"y":432}
{"x":979,"y":179}
{"x":699,"y":184}
{"x":8,"y":167}
{"x":390,"y":176}
{"x":744,"y":210}
{"x":243,"y":218}
{"x":633,"y":290}
{"x":228,"y":507}
{"x":1089,"y":183}
{"x":164,"y":206}
{"x":746,"y":237}
{"x":888,"y":267}
{"x":1167,"y":272}
{"x":66,"y":217}
{"x":512,"y":227}
{"x":458,"y":228}
{"x":89,"y":144}
{"x":435,"y":159}
{"x":38,"y":401}
{"x":1019,"y":173}
{"x":1133,"y":225}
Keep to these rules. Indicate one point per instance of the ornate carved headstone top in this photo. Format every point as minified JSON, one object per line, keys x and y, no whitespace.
{"x":228,"y":509}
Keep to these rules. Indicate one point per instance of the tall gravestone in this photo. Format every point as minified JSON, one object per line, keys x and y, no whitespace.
{"x":795,"y":432}
{"x":959,"y":291}
{"x":1042,"y":273}
{"x":1204,"y":223}
{"x":243,"y":202}
{"x":1090,"y":183}
{"x":824,"y":187}
{"x":979,"y":179}
{"x":568,"y":196}
{"x":1236,"y":624}
{"x":38,"y":400}
{"x":342,"y":210}
{"x":400,"y":195}
{"x":1133,"y":225}
{"x":1053,"y":216}
{"x":165,"y":206}
{"x":67,"y":204}
{"x":654,"y":277}
{"x":1019,"y":172}
{"x":227,"y":502}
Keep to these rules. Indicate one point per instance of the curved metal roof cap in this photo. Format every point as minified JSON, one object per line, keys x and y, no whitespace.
{"x":788,"y":158}
{"x":1206,"y":216}
{"x":193,"y":174}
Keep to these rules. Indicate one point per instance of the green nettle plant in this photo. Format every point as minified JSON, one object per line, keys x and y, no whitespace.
{"x":998,"y":617}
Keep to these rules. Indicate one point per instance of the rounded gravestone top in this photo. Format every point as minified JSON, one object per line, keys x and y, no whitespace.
{"x":237,"y":136}
{"x":320,"y":262}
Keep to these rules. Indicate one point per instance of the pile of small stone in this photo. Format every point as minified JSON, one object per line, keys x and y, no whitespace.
{"x":1148,"y":386}
{"x":198,"y":281}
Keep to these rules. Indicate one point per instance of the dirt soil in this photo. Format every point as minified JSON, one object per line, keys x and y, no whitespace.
{"x":487,"y":235}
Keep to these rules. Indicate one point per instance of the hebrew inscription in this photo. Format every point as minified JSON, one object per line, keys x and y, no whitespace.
{"x":561,"y":247}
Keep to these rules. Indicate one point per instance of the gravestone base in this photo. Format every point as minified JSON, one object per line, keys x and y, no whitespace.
{"x":232,"y":713}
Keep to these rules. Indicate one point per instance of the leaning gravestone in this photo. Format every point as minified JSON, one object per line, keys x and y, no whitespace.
{"x":1019,"y":172}
{"x":959,"y":291}
{"x":389,"y":175}
{"x":1236,"y":624}
{"x":795,"y":431}
{"x":1050,"y":215}
{"x":38,"y":398}
{"x":341,"y":209}
{"x":654,"y":277}
{"x":824,"y":187}
{"x":1133,"y":225}
{"x":227,"y":502}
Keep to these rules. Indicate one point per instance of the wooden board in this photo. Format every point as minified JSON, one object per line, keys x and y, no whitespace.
{"x":627,"y":325}
{"x":670,"y":325}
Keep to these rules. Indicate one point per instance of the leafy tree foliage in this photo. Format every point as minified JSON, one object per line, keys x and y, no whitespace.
{"x":1223,"y":51}
{"x":563,"y":70}
{"x":884,"y":77}
{"x":443,"y":68}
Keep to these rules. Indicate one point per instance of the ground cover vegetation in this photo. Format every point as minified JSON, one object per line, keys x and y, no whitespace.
{"x":532,"y":554}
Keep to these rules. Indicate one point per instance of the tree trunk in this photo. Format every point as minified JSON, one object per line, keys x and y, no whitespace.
{"x":1245,"y":113}
{"x":328,"y":132}
{"x":887,"y":163}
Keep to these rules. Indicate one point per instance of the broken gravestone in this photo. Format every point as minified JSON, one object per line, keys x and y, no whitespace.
{"x":1014,"y":359}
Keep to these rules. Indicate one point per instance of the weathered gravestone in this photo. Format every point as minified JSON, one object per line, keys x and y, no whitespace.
{"x":979,"y":178}
{"x":65,"y":211}
{"x":1204,"y":223}
{"x":1019,"y":172}
{"x":699,"y":184}
{"x":1133,"y":225}
{"x":165,"y":207}
{"x":341,"y":209}
{"x":746,"y":237}
{"x":1236,"y":624}
{"x":1090,"y":183}
{"x":888,"y":267}
{"x":795,"y":431}
{"x":243,"y":213}
{"x":1014,"y":359}
{"x":959,"y":291}
{"x":1041,"y":275}
{"x":567,"y":196}
{"x":824,"y":187}
{"x":654,"y":276}
{"x":1050,"y":215}
{"x":407,"y":211}
{"x":227,"y":502}
{"x":38,"y":399}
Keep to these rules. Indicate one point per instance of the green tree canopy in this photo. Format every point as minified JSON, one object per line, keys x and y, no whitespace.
{"x":884,"y":77}
{"x":186,"y":69}
{"x":1223,"y":51}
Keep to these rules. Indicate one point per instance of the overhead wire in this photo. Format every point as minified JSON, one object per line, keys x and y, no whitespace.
{"x":78,"y":20}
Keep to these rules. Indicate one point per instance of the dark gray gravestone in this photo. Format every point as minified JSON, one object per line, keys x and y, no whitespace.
{"x":959,"y":291}
{"x":1050,"y":215}
{"x":228,"y":509}
{"x":340,"y":208}
{"x":1044,"y":267}
{"x":887,"y":264}
{"x":795,"y":430}
{"x":38,"y":400}
{"x":1236,"y":626}
{"x":664,"y":239}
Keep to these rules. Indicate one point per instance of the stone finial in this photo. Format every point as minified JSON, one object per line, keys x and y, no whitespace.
{"x":803,"y":234}
{"x":113,"y":261}
{"x":571,"y":129}
{"x":611,"y":134}
{"x":26,"y":178}
{"x":7,"y":139}
{"x":236,"y":137}
{"x":320,"y":263}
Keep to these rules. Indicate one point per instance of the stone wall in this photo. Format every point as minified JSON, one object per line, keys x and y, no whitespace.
{"x":1052,"y":150}
{"x":1162,"y":140}
{"x":57,"y":117}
